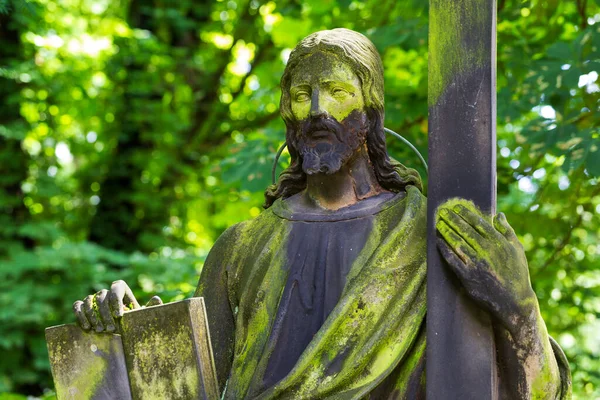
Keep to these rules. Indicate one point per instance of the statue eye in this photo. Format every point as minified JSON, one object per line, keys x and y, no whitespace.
{"x":339,"y":92}
{"x":301,"y":96}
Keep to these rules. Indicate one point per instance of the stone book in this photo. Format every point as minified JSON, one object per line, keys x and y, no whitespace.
{"x":162,"y":352}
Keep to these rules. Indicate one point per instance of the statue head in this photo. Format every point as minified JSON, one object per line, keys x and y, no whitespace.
{"x":332,"y":103}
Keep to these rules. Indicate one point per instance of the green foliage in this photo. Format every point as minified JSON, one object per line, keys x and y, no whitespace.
{"x":133,"y":133}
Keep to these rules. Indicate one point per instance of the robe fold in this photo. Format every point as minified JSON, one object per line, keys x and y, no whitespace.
{"x":321,"y":306}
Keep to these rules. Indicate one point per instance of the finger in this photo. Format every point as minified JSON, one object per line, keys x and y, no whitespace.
{"x":453,"y":260}
{"x":104,"y":310}
{"x":457,"y":243}
{"x":115,"y":298}
{"x":121,"y":296}
{"x":476,"y":284}
{"x":129,"y":299}
{"x":477,"y":220}
{"x":502,"y":226}
{"x":462,"y":228}
{"x":81,"y":318}
{"x":88,"y":309}
{"x":154,"y":301}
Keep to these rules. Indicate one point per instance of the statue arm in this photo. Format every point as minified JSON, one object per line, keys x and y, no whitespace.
{"x":213,"y":286}
{"x":532,"y":364}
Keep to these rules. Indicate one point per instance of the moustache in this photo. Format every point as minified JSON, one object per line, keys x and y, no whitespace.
{"x":319,"y":124}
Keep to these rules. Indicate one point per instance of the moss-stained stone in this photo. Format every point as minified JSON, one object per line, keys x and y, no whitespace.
{"x":451,"y":24}
{"x":168,"y":352}
{"x":373,"y":330}
{"x":163,"y":352}
{"x":87,"y":365}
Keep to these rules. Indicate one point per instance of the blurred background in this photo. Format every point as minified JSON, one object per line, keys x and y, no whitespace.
{"x":132,"y":133}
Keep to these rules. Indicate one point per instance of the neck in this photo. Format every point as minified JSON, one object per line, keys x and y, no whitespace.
{"x":355,"y":181}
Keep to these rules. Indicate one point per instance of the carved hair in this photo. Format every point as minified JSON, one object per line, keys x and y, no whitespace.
{"x":362,"y":56}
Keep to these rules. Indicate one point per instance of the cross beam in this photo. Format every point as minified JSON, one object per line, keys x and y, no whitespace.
{"x":462,"y":163}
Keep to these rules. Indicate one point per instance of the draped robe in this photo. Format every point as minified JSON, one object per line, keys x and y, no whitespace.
{"x":322,"y":306}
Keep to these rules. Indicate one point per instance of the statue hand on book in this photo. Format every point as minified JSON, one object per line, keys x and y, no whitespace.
{"x":101,"y":310}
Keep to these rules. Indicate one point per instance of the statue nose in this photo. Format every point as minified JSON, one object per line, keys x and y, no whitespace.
{"x":315,"y":106}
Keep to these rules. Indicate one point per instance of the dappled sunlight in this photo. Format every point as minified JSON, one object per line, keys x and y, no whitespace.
{"x":134,"y":134}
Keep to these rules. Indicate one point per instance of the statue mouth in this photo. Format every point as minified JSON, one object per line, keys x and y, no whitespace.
{"x":319,"y":129}
{"x":319,"y":135}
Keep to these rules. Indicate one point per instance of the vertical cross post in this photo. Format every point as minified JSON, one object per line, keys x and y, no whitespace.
{"x":462,"y":163}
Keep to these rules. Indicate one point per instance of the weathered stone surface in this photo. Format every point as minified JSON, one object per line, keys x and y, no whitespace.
{"x":163,"y":352}
{"x":168,"y":352}
{"x":461,"y":351}
{"x":87,"y":365}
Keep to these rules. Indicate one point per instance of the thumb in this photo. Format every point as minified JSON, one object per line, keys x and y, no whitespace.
{"x":154,"y":301}
{"x":502,"y":226}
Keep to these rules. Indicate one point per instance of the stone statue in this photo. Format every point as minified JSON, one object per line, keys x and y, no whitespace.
{"x":323,"y":294}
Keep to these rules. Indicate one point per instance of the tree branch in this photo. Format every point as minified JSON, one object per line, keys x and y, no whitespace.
{"x":209,"y":107}
{"x":258,"y":59}
{"x":581,"y":6}
{"x":565,"y":240}
{"x":501,"y":5}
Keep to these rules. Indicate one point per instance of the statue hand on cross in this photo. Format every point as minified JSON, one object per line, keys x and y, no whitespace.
{"x":100,"y":311}
{"x":489,"y":261}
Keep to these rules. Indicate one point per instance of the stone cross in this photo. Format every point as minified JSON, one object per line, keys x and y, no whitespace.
{"x":162,"y":352}
{"x":462,"y":163}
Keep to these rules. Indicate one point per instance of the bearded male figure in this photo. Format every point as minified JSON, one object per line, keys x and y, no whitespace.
{"x":323,"y":294}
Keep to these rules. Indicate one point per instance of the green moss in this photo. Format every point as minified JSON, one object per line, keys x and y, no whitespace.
{"x":337,"y":87}
{"x":416,"y":357}
{"x":450,"y":204}
{"x":159,"y":369}
{"x":353,"y":49}
{"x":546,"y":381}
{"x":451,"y":24}
{"x":374,"y":326}
{"x":69,"y":356}
{"x":258,"y":301}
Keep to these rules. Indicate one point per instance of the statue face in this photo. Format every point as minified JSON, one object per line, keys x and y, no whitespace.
{"x":328,"y":105}
{"x":324,"y":84}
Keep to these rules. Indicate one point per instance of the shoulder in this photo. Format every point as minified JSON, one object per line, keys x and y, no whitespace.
{"x":230,"y":235}
{"x":236,"y":235}
{"x":415,"y":198}
{"x":232,"y":249}
{"x":214,"y":270}
{"x":410,"y":203}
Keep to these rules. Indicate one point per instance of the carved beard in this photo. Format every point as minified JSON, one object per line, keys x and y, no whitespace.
{"x":325,"y":145}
